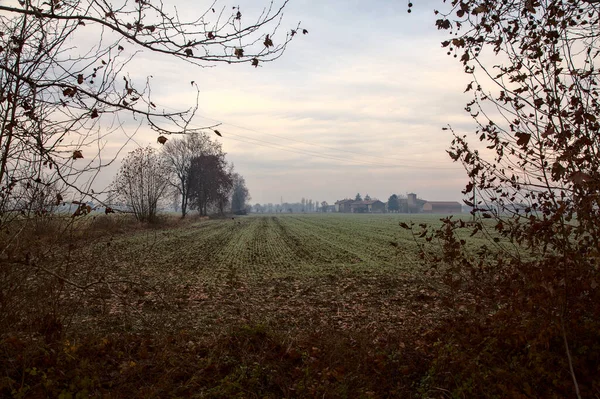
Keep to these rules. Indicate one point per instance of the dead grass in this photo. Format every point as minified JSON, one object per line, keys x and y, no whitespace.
{"x":249,"y":361}
{"x":212,"y":308}
{"x":251,"y":307}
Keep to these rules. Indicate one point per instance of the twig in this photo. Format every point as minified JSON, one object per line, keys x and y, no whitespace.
{"x":564,"y":333}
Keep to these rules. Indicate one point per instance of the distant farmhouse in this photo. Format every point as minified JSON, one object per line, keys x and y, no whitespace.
{"x":343,"y":205}
{"x":413,"y":204}
{"x":370,"y":206}
{"x":410,"y":204}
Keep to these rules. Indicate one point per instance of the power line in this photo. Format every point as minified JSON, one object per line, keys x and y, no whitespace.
{"x":308,"y":142}
{"x":305,"y":152}
{"x":282,"y":147}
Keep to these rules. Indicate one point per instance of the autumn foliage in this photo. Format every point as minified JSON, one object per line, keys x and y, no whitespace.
{"x":526,"y":303}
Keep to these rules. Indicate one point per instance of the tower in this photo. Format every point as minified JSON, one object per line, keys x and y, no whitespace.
{"x":411,"y":201}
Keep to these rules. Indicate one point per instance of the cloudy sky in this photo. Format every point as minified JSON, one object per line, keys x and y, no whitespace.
{"x":357,"y":105}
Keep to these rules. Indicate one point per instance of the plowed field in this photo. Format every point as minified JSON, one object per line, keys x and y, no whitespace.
{"x":259,"y":306}
{"x":288,"y":271}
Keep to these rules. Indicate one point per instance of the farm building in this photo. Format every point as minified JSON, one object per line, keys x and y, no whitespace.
{"x":370,"y":206}
{"x":410,"y":204}
{"x":442,"y":207}
{"x":343,"y":205}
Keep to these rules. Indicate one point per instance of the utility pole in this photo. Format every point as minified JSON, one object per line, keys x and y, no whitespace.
{"x":474,"y":198}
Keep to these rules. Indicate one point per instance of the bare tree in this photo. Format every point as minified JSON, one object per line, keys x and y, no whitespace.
{"x":225,"y":189}
{"x":141,"y":183}
{"x":240,"y":195}
{"x":209,"y":181}
{"x":179,"y":154}
{"x":59,"y":100}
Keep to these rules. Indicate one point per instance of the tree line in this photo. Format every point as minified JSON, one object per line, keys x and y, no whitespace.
{"x":303,"y":206}
{"x":191,"y":170}
{"x":309,"y":206}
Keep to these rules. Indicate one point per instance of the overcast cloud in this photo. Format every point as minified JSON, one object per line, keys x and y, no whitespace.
{"x":357,"y":105}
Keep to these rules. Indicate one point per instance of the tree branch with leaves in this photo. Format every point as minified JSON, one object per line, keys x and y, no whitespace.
{"x":533,"y":180}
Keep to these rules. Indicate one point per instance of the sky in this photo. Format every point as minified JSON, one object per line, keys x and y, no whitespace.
{"x":355,"y":106}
